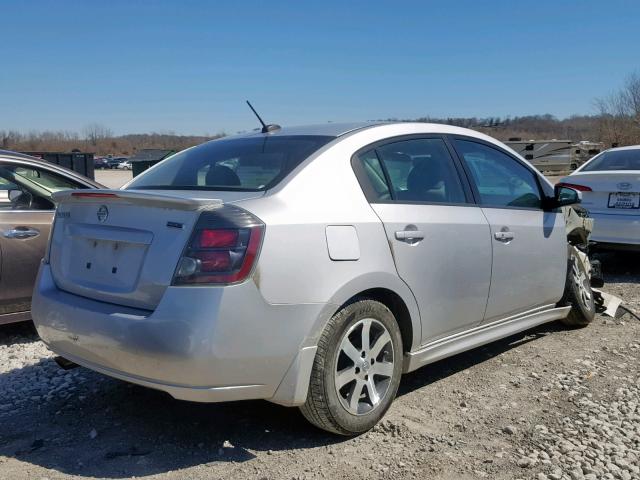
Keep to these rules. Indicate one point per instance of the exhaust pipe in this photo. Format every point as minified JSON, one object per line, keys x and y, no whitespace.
{"x":64,"y":363}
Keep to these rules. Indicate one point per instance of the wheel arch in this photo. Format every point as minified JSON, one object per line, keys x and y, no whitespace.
{"x":398,"y":307}
{"x":392,"y":292}
{"x":578,"y":236}
{"x":384,"y":287}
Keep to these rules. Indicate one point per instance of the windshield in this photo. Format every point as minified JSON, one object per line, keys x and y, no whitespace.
{"x":242,"y":164}
{"x":615,"y":160}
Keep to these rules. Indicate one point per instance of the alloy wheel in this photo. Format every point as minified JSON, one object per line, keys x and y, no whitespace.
{"x":364,"y":366}
{"x":582,"y":282}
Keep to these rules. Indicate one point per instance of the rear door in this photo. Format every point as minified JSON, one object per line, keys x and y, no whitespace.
{"x":439,"y":239}
{"x":529,"y":244}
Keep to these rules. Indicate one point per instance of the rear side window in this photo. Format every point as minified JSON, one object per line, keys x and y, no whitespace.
{"x":421,"y":170}
{"x":378,"y":186}
{"x":501,"y":180}
{"x":242,"y":164}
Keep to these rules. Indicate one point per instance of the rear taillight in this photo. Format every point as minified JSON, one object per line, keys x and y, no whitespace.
{"x":223,"y":248}
{"x":574,"y":186}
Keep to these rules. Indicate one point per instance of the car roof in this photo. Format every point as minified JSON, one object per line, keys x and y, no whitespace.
{"x":343,"y":129}
{"x":322,"y":129}
{"x":629,"y":147}
{"x":10,"y":155}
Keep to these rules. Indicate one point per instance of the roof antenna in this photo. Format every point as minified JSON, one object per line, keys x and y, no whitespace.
{"x":265,"y":128}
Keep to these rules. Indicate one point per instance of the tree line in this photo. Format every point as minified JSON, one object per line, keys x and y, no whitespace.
{"x":617,"y":122}
{"x":97,"y":139}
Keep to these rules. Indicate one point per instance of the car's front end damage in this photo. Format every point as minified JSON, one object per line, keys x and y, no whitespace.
{"x":579,"y":226}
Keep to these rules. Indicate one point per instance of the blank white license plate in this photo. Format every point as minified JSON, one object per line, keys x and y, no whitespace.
{"x":624,"y":200}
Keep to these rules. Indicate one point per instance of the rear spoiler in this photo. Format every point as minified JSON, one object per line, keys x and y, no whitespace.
{"x":135,"y":197}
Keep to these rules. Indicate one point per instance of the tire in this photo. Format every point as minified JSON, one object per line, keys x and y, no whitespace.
{"x":336,"y":409}
{"x":578,"y":293}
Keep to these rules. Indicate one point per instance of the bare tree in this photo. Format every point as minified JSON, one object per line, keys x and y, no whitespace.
{"x":95,"y":132}
{"x":619,"y":113}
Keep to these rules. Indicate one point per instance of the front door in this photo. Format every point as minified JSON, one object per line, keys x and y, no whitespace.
{"x":439,"y":239}
{"x":529,"y":244}
{"x":23,"y":239}
{"x":26,"y":213}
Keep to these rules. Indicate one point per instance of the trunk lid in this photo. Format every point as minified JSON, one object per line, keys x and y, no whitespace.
{"x":613,"y":193}
{"x":122,"y":246}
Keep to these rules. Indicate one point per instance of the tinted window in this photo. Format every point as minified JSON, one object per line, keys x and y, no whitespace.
{"x":501,"y":180}
{"x":43,"y":178}
{"x":377,"y":181}
{"x":246,"y":164}
{"x":616,"y":160}
{"x":35,"y":184}
{"x":421,"y":170}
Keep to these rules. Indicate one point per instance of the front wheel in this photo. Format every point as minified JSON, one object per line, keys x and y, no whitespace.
{"x":578,"y":293}
{"x":357,"y":369}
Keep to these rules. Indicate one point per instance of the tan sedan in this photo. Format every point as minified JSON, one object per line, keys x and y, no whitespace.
{"x":26,"y":213}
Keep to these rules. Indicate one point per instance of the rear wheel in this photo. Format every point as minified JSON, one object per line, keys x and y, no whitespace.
{"x":356,"y":371}
{"x":578,"y":293}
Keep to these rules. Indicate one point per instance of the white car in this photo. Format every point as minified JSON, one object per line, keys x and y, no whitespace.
{"x":126,"y":165}
{"x":610,"y":186}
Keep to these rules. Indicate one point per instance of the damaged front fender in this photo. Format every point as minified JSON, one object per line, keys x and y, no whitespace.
{"x":578,"y":224}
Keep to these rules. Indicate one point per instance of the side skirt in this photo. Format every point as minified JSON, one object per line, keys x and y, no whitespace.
{"x":446,"y":347}
{"x":15,"y":317}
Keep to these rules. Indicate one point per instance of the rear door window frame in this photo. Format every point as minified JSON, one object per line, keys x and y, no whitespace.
{"x":371,"y":194}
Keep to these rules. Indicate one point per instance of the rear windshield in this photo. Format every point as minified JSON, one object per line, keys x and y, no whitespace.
{"x":242,"y":164}
{"x":616,"y":160}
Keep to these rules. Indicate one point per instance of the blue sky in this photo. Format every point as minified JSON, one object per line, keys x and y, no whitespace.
{"x":188,"y":66}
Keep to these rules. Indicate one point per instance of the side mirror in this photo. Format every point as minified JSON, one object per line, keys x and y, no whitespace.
{"x":14,"y":194}
{"x":20,"y":199}
{"x":566,"y":196}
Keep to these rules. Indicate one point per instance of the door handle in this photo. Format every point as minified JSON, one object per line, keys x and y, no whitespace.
{"x":21,"y":232}
{"x":505,"y":237}
{"x":409,"y":235}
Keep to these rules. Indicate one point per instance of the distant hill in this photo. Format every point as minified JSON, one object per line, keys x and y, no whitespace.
{"x":542,"y":127}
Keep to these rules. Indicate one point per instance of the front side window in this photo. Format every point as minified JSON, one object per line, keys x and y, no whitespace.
{"x":421,"y":170}
{"x":23,"y":187}
{"x":616,"y":160}
{"x":243,"y":164}
{"x":43,"y":178}
{"x":501,"y":180}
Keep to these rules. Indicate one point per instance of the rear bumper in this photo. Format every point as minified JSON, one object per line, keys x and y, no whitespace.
{"x":201,"y":344}
{"x":615,"y":229}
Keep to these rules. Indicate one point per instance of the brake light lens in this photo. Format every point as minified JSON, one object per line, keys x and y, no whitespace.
{"x":94,"y":195}
{"x":222,"y":250}
{"x":575,"y":186}
{"x":217,"y":238}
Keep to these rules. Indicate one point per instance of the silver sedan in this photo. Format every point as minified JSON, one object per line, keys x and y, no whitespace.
{"x":309,"y":266}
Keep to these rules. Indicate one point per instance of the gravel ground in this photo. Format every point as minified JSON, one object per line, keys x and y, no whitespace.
{"x":551,"y":403}
{"x":113,"y":178}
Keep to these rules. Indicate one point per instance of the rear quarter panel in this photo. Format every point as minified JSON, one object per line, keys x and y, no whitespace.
{"x":294,"y":264}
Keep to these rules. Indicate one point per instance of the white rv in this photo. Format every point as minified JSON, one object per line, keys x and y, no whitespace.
{"x":545,"y":155}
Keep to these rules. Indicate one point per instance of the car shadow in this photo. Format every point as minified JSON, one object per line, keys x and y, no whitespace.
{"x":619,"y":267}
{"x":17,"y":333}
{"x":110,"y":429}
